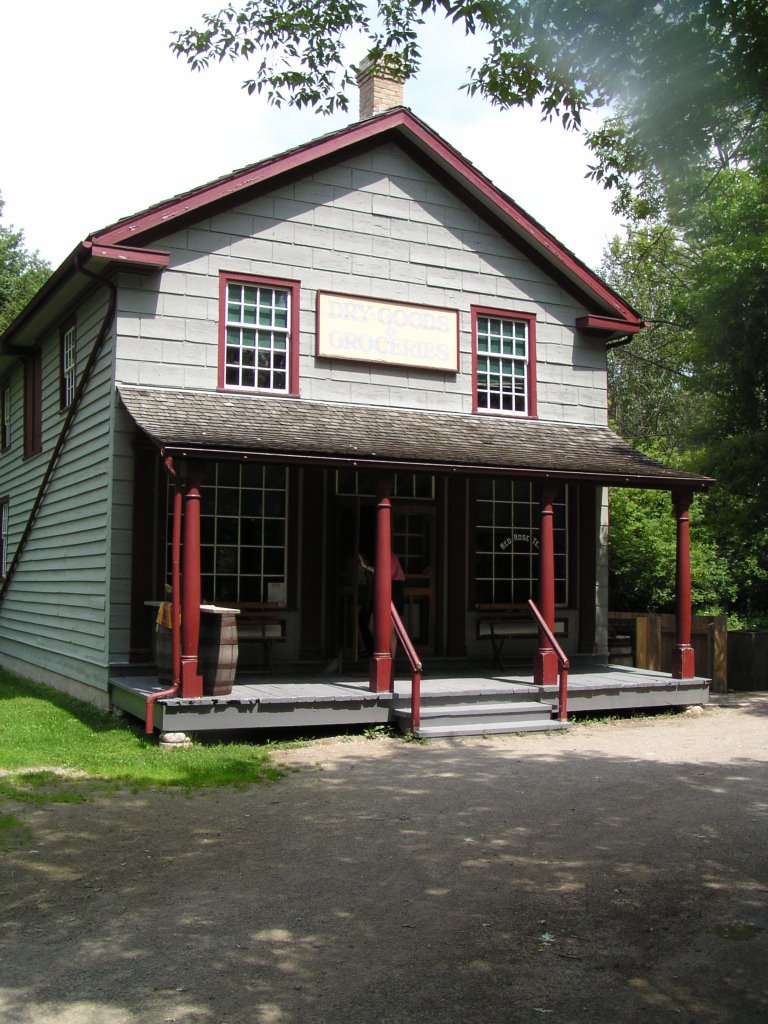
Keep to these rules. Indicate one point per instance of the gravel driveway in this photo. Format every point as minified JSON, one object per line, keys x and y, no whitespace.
{"x":613,"y":874}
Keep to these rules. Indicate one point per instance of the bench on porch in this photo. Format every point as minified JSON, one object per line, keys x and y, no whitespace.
{"x":511,"y":626}
{"x":261,"y":627}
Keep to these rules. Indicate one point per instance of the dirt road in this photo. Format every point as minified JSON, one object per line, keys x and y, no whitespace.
{"x":614,"y":874}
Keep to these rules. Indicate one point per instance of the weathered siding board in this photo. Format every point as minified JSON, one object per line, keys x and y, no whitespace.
{"x":375,"y":225}
{"x":53,"y":616}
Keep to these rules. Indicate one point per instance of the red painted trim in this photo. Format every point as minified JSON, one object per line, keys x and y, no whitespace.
{"x":451,"y":310}
{"x":153,"y":258}
{"x":607,"y":325}
{"x":683,"y":656}
{"x":399,"y":121}
{"x":587,"y":567}
{"x":507,"y":314}
{"x":191,"y":681}
{"x":545,"y":661}
{"x":380,"y":680}
{"x":33,"y":403}
{"x":294,"y":341}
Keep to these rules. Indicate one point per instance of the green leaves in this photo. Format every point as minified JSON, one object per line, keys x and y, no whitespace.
{"x":21,"y":273}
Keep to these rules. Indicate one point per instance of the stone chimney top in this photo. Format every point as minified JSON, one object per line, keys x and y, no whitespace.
{"x":380,"y":84}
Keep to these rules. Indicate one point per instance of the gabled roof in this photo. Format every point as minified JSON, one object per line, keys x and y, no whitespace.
{"x":401,"y":126}
{"x":128,"y":242}
{"x":222,"y":424}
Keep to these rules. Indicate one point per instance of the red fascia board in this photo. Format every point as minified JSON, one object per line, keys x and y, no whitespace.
{"x":150,"y":258}
{"x":333,"y":145}
{"x":607,"y":325}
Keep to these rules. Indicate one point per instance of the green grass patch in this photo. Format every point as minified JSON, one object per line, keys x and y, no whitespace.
{"x":53,"y":744}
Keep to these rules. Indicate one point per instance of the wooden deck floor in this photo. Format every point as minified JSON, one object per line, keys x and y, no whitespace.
{"x":300,"y":700}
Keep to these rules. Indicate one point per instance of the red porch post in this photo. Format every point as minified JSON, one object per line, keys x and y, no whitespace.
{"x":545,"y":660}
{"x":381,"y":662}
{"x":682,"y":656}
{"x":191,"y":680}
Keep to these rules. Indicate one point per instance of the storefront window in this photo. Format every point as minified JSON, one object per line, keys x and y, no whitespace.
{"x":243,"y":541}
{"x":507,"y":542}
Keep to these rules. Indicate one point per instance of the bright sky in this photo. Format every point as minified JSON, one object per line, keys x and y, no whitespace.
{"x":101,"y":120}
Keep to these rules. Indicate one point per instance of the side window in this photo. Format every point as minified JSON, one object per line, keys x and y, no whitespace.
{"x":3,"y":537}
{"x":504,"y":362}
{"x":5,"y":417}
{"x":67,"y":366}
{"x":33,"y":403}
{"x":258,"y":330}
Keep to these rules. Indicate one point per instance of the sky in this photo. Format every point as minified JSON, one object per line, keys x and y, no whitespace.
{"x":101,"y":120}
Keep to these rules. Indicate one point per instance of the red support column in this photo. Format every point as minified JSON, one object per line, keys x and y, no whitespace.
{"x":682,"y":656}
{"x":191,"y":680}
{"x":545,"y":660}
{"x":381,"y":662}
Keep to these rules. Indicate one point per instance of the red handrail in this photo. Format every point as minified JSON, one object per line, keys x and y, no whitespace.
{"x":413,"y":658}
{"x":562,"y":662}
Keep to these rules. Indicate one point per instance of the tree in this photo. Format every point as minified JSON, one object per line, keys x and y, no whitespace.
{"x":685,"y":78}
{"x":21,"y":273}
{"x":650,"y":381}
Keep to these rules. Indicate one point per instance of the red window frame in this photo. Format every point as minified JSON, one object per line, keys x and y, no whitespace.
{"x":294,"y":289}
{"x":507,"y":314}
{"x":33,"y":403}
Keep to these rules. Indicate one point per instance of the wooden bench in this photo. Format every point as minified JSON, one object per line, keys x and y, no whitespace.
{"x":500,"y":628}
{"x":259,"y":625}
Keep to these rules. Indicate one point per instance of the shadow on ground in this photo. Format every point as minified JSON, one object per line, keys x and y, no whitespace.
{"x":401,"y":883}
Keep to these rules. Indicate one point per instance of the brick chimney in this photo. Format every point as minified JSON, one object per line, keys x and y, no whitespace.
{"x":380,"y":84}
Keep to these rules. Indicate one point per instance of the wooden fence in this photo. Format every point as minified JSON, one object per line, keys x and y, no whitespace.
{"x":748,"y":659}
{"x":653,"y":641}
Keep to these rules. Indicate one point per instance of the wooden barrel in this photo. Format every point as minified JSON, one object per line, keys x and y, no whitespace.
{"x":217,"y":657}
{"x":620,"y":650}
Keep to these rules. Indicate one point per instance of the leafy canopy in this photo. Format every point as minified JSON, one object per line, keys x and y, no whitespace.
{"x":685,"y":78}
{"x":21,"y":273}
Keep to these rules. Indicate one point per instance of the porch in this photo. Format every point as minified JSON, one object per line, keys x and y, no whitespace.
{"x":456,"y":699}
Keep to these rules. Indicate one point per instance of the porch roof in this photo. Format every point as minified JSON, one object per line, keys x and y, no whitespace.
{"x":225,"y":424}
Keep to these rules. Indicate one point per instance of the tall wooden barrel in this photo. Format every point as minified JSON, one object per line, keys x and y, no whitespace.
{"x":218,"y":651}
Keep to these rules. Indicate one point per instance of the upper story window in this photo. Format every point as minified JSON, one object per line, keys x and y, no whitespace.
{"x":68,"y":350}
{"x":5,"y":417}
{"x":504,"y":370}
{"x":259,"y":334}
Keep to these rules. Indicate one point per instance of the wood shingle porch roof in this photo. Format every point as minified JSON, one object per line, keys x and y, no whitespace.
{"x":216,"y":424}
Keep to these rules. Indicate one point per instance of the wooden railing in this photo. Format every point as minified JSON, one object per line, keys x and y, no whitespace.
{"x":562,"y":663}
{"x":413,"y":658}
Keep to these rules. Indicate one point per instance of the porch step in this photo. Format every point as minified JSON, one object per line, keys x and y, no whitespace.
{"x":481,"y":718}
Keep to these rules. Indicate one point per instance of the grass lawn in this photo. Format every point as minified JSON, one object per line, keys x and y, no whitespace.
{"x":54,"y":747}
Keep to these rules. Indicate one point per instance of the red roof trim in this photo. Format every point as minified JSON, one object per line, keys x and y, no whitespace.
{"x":399,"y":119}
{"x":134,"y":257}
{"x":607,"y":325}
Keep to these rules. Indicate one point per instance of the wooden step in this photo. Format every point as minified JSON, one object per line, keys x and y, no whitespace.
{"x":477,"y":719}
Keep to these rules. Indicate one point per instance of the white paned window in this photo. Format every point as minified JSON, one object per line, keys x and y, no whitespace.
{"x":507,"y":517}
{"x":257,"y":338}
{"x":243,"y":533}
{"x":5,"y":418}
{"x":68,"y":382}
{"x":502,"y":364}
{"x":3,"y":539}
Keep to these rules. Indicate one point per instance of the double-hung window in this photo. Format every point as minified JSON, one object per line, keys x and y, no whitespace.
{"x":67,"y":377}
{"x":259,"y":334}
{"x":504,"y":350}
